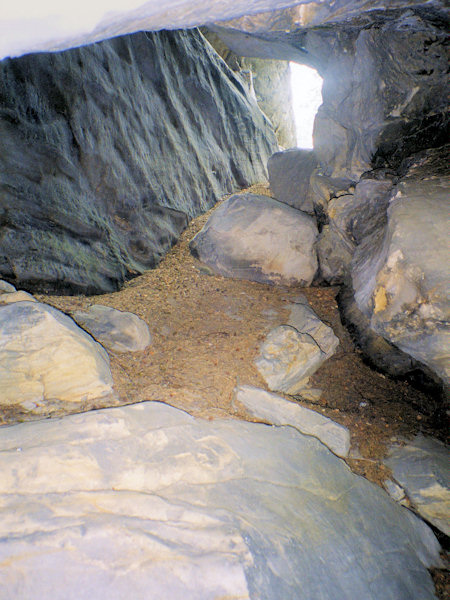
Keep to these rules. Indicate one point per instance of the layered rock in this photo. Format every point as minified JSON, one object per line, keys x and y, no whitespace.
{"x":145,"y":501}
{"x":104,"y":158}
{"x":257,"y":238}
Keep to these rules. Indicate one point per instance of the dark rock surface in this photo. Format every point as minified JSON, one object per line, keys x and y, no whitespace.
{"x":106,"y":151}
{"x":385,"y":71}
{"x":289,"y":175}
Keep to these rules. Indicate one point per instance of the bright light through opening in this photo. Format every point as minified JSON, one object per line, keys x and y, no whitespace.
{"x":306,"y":86}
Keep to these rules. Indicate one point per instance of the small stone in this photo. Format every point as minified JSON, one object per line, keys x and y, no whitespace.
{"x":115,"y":329}
{"x":395,"y":491}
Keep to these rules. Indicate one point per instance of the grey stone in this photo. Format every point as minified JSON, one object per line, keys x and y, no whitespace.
{"x":289,"y":175}
{"x":146,"y":502}
{"x":305,"y":320}
{"x":401,"y":273}
{"x":257,"y":238}
{"x":278,"y":411}
{"x":291,"y":353}
{"x":47,"y":361}
{"x":6,"y":287}
{"x":118,"y":145}
{"x":422,"y":467}
{"x":395,"y":491}
{"x":115,"y":329}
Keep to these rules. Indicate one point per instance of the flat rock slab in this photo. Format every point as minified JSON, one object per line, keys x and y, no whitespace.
{"x":6,"y":287}
{"x":146,"y":502}
{"x":289,"y":175}
{"x":291,"y":353}
{"x":257,"y":238}
{"x":46,"y":360}
{"x":422,"y":467}
{"x":277,"y":411}
{"x":115,"y":329}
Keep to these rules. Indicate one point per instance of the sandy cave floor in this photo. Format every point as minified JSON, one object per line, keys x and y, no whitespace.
{"x":206,"y":332}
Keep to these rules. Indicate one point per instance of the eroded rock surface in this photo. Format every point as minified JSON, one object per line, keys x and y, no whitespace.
{"x":106,"y":151}
{"x":401,"y":272}
{"x":422,"y":467}
{"x":47,"y":361}
{"x":114,"y":329}
{"x":144,"y":499}
{"x":257,"y":238}
{"x":291,"y":353}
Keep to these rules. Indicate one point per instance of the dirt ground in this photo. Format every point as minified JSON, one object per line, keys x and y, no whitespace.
{"x":206,"y":332}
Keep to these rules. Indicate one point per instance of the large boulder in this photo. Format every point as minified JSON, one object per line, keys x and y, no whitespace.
{"x":401,"y":272}
{"x":104,"y":158}
{"x":47,"y":361}
{"x":145,"y":501}
{"x":257,"y":238}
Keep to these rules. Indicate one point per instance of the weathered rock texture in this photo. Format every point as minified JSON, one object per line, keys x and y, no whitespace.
{"x":257,"y":238}
{"x":269,"y":81}
{"x":291,"y":353}
{"x":422,"y":467}
{"x":146,"y":502}
{"x":106,"y":151}
{"x":47,"y":361}
{"x":401,"y":272}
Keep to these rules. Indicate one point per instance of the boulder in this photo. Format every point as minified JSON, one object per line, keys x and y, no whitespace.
{"x":291,"y":353}
{"x":47,"y":361}
{"x":289,"y":175}
{"x":114,"y":329}
{"x":106,"y":152}
{"x":16,"y":296}
{"x":144,"y":501}
{"x":401,"y":272}
{"x":278,"y":411}
{"x":258,"y":238}
{"x":351,"y":218}
{"x":422,"y":467}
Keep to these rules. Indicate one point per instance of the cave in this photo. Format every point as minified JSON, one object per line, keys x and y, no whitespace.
{"x":224,"y":349}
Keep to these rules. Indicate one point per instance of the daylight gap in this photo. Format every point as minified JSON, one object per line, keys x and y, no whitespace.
{"x":306,"y":87}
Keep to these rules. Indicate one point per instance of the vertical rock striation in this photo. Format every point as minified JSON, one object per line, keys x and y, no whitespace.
{"x":106,"y":151}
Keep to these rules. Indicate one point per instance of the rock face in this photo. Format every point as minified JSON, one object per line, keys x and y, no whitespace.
{"x":291,"y":353}
{"x":46,"y":360}
{"x":289,"y":175}
{"x":257,"y":238}
{"x":401,"y":272}
{"x":422,"y":467}
{"x":278,"y":411}
{"x":269,"y":81}
{"x":104,"y":158}
{"x":122,"y":501}
{"x":114,"y":329}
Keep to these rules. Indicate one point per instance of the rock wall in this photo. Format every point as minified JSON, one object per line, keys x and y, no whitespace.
{"x":106,"y":151}
{"x":385,"y":99}
{"x":269,"y":81}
